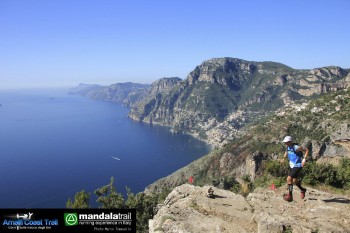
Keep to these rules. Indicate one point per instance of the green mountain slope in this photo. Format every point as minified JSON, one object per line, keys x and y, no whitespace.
{"x":321,"y":124}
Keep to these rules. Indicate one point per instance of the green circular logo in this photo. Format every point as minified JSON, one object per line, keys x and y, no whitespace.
{"x":71,"y":219}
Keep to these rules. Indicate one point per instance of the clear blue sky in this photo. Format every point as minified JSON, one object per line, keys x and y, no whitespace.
{"x":65,"y":42}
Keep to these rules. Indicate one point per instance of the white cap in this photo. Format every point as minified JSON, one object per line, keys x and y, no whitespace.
{"x":288,"y":139}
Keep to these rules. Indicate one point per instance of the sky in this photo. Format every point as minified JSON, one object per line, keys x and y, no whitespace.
{"x":54,"y":43}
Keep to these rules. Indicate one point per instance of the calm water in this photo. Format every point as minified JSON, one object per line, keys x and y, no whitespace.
{"x":53,"y":145}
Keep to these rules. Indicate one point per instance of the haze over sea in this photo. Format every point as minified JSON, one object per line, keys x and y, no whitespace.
{"x":53,"y":145}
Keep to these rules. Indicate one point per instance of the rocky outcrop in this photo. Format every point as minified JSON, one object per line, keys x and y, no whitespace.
{"x":187,"y":209}
{"x":342,"y":132}
{"x":151,"y":109}
{"x":163,"y":85}
{"x":324,"y":80}
{"x":236,"y":162}
{"x":338,"y":148}
{"x":252,"y":166}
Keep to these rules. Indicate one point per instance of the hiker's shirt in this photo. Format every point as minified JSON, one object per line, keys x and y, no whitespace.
{"x":294,"y":159}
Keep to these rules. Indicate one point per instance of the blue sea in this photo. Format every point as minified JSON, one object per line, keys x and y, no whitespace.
{"x":53,"y":145}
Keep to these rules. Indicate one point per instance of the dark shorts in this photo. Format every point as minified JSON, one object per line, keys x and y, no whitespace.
{"x":294,"y":172}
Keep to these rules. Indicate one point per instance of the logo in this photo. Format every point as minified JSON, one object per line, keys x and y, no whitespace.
{"x":25,"y":216}
{"x":71,"y":219}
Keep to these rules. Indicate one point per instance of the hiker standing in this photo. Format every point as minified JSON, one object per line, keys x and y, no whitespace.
{"x":294,"y":153}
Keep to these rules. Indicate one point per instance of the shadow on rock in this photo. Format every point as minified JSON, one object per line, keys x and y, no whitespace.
{"x":338,"y":200}
{"x":216,"y":196}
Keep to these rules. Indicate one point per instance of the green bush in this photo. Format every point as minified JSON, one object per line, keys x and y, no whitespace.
{"x":236,"y":188}
{"x":312,"y":174}
{"x":315,"y":174}
{"x":276,"y":168}
{"x":343,"y":173}
{"x":162,"y":196}
{"x":339,"y":176}
{"x":280,"y":181}
{"x":262,"y":181}
{"x":246,"y":178}
{"x":229,"y":182}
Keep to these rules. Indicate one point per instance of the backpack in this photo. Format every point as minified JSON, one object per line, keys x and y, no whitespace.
{"x":299,"y":153}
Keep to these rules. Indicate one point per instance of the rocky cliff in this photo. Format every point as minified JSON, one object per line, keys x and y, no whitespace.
{"x":187,"y":209}
{"x":221,"y":95}
{"x":152,"y":103}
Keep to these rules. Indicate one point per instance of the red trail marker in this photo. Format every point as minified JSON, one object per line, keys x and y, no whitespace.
{"x":273,"y":187}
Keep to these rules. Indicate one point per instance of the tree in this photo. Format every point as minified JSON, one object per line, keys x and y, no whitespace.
{"x":81,"y":201}
{"x":144,"y":204}
{"x":108,"y":197}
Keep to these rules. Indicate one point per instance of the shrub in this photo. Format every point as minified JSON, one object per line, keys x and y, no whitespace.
{"x":343,"y":173}
{"x":229,"y":182}
{"x":315,"y":174}
{"x":276,"y":168}
{"x":246,"y":178}
{"x":280,"y":181}
{"x":236,"y":188}
{"x":312,"y":174}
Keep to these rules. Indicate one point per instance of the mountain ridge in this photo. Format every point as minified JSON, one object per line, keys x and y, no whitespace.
{"x":223,"y":94}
